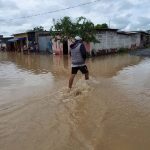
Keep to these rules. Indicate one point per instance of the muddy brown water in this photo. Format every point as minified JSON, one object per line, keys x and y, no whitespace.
{"x":111,"y":111}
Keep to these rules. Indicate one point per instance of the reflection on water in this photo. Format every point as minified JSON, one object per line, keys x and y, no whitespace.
{"x":111,"y":111}
{"x":106,"y":66}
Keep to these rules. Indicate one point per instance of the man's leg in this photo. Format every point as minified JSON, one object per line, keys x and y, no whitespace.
{"x":87,"y":76}
{"x":85,"y":71}
{"x":71,"y":80}
{"x":74,"y":71}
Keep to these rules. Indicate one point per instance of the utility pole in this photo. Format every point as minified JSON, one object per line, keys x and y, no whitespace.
{"x":109,"y":23}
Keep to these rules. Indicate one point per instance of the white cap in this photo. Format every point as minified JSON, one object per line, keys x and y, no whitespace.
{"x":78,"y":38}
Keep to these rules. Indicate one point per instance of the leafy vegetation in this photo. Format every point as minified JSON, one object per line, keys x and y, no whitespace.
{"x":101,"y":26}
{"x":67,"y":28}
{"x":37,"y":29}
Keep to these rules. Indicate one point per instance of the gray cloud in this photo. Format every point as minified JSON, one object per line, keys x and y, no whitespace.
{"x":122,"y":14}
{"x":7,"y":5}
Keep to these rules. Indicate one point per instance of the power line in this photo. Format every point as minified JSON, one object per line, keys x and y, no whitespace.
{"x":54,"y":11}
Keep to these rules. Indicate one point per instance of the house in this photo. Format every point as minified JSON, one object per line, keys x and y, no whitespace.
{"x":33,"y":41}
{"x":144,"y":38}
{"x":108,"y":41}
{"x":112,"y":40}
{"x":148,"y":31}
{"x":20,"y":40}
{"x":128,"y":40}
{"x":145,"y":41}
{"x":44,"y":41}
{"x":4,"y":42}
{"x":148,"y":38}
{"x":1,"y":38}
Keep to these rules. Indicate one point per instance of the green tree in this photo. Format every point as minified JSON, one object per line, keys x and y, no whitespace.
{"x":67,"y":28}
{"x":101,"y":26}
{"x":63,"y":27}
{"x":37,"y":29}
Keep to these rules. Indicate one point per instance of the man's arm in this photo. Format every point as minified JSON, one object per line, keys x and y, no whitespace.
{"x":83,"y":51}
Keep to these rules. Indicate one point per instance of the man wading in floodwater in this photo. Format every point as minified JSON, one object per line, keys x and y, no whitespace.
{"x":78,"y":57}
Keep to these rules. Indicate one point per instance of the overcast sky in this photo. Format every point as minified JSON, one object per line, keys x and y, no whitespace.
{"x":122,"y":14}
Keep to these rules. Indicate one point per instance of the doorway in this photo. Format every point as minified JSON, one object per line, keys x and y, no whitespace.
{"x":65,"y":47}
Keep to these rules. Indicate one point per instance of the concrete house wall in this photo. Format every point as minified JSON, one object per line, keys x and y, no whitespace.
{"x":108,"y":40}
{"x":135,"y":40}
{"x":57,"y":47}
{"x":111,"y":41}
{"x":124,"y":41}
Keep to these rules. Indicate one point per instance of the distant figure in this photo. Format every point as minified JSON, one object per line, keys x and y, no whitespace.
{"x":78,"y":57}
{"x":25,"y":48}
{"x":36,"y":47}
{"x":49,"y":46}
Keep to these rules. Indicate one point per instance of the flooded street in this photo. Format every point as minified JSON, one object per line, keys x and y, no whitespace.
{"x":111,"y":111}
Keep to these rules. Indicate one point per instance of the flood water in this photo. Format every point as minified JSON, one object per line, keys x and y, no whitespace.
{"x":111,"y":111}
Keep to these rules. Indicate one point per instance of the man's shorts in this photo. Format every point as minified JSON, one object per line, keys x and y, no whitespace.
{"x":83,"y":69}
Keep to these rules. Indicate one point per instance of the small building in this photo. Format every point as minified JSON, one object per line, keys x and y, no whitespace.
{"x":1,"y":38}
{"x":20,"y":41}
{"x":33,"y":41}
{"x":139,"y":38}
{"x":148,"y":31}
{"x":4,"y":42}
{"x":145,"y":42}
{"x":44,"y":41}
{"x":111,"y":40}
{"x":108,"y":41}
